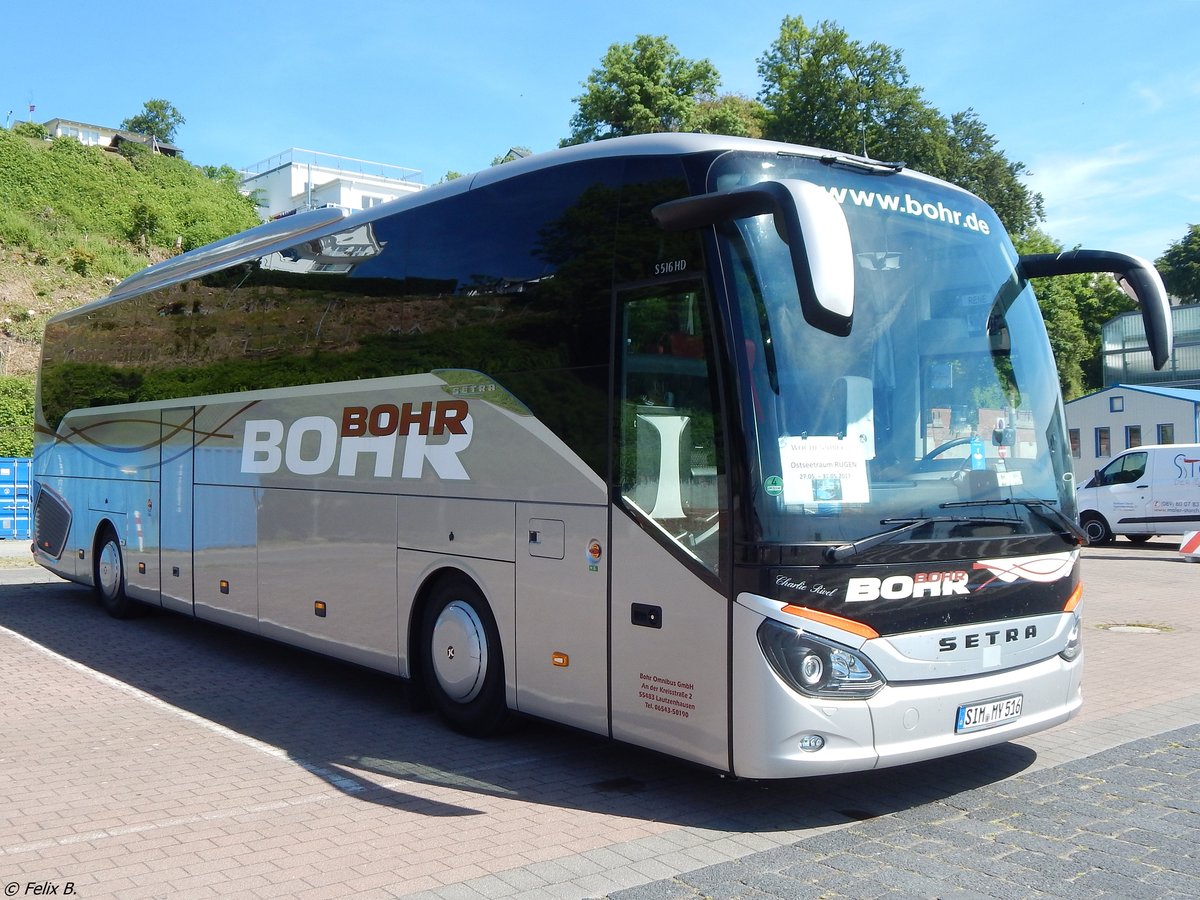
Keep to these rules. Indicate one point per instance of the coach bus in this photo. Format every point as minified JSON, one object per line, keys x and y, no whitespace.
{"x":745,"y":452}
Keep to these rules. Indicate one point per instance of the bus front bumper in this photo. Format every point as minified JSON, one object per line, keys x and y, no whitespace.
{"x":775,"y":729}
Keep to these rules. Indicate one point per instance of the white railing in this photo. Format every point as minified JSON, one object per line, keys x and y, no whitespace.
{"x":297,"y":156}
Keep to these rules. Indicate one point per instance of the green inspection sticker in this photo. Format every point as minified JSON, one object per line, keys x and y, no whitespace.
{"x":773,"y":486}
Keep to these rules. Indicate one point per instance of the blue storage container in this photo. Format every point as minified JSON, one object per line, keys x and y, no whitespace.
{"x":15,"y":481}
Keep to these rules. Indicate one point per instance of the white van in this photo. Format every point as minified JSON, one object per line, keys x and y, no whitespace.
{"x":1145,"y":491}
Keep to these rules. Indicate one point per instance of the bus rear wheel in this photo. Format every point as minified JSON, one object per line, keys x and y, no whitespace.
{"x":108,"y":576}
{"x":462,"y":658}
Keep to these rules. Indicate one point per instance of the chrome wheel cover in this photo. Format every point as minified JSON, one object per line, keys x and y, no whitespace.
{"x":108,"y":570}
{"x":458,"y":650}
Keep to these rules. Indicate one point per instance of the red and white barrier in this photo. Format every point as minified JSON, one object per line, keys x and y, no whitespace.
{"x":1190,"y":548}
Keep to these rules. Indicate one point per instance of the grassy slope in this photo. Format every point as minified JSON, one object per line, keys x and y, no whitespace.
{"x":74,"y":221}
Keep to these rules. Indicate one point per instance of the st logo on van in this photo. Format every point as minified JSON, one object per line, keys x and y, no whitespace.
{"x":314,"y":445}
{"x":1184,"y":467}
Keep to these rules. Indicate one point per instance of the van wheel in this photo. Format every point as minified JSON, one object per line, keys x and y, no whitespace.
{"x":1138,"y":538}
{"x":1096,"y":528}
{"x":462,"y":659}
{"x":108,"y":576}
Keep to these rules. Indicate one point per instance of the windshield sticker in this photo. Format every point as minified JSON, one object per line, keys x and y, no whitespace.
{"x":1040,"y":569}
{"x":912,"y":206}
{"x":823,"y":469}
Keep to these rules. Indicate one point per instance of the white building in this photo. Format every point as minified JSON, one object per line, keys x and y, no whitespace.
{"x":109,"y":138}
{"x":1127,"y":355}
{"x":1103,"y":424}
{"x":306,"y":179}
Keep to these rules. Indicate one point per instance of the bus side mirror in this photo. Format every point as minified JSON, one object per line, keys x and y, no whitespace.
{"x":1137,"y":278}
{"x":809,"y":221}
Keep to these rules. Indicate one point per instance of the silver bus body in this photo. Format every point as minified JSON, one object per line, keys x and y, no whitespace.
{"x":594,"y":437}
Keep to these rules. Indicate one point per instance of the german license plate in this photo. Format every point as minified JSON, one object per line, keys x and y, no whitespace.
{"x":988,"y":714}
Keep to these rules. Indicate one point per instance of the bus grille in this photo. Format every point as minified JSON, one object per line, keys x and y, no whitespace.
{"x":51,"y":522}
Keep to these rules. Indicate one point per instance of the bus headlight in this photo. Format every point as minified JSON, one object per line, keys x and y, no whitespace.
{"x":816,"y":667}
{"x":1074,"y":640}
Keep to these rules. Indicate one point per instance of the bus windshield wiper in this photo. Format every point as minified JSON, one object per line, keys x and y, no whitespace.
{"x":1044,"y":509}
{"x":845,"y":551}
{"x":863,"y":164}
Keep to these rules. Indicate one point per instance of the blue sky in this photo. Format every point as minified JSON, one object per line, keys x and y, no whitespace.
{"x":1100,"y":100}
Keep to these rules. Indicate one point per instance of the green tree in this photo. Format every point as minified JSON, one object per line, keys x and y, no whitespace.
{"x":823,"y":89}
{"x":1180,"y":266}
{"x":158,"y":119}
{"x":640,"y":88}
{"x":224,"y":174}
{"x":1075,"y":307}
{"x":16,"y":416}
{"x":144,"y":221}
{"x":729,"y":114}
{"x":972,"y":161}
{"x":1103,"y":301}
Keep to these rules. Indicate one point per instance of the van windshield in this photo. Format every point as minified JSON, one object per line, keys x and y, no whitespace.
{"x":1126,"y":470}
{"x":944,"y":394}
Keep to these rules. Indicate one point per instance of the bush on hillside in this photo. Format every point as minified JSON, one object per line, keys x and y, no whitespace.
{"x":93,"y":193}
{"x":31,"y":130}
{"x":16,"y":416}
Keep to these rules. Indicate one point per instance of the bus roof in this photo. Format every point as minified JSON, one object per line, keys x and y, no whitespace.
{"x":280,"y":234}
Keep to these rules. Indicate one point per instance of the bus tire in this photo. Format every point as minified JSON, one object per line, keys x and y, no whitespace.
{"x":108,"y":575}
{"x":1096,"y":528}
{"x":462,"y":659}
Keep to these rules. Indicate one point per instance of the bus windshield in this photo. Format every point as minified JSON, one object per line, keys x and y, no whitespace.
{"x":942,"y":404}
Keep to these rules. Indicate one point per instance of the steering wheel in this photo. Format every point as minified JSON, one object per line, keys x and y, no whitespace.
{"x":959,"y":473}
{"x":949,"y":445}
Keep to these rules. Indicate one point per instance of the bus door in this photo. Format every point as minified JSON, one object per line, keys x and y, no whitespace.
{"x":562,"y":596}
{"x":669,"y":621}
{"x":174,"y":511}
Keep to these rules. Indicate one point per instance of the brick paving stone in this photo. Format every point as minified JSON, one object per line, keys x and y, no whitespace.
{"x":660,"y":890}
{"x":1173,"y":883}
{"x":1044,"y":860}
{"x":165,"y":757}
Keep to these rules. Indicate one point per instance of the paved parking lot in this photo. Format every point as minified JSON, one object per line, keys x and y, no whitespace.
{"x":164,"y":757}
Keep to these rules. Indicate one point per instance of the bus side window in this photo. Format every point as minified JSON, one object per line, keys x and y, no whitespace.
{"x":668,"y":459}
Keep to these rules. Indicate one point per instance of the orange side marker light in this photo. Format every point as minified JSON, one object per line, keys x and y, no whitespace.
{"x":830,"y":619}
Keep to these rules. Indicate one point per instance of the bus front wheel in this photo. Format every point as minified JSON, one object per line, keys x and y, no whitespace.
{"x":463,"y":663}
{"x":108,"y":576}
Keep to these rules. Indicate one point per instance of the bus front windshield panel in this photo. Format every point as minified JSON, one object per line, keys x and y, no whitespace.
{"x":942,"y":403}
